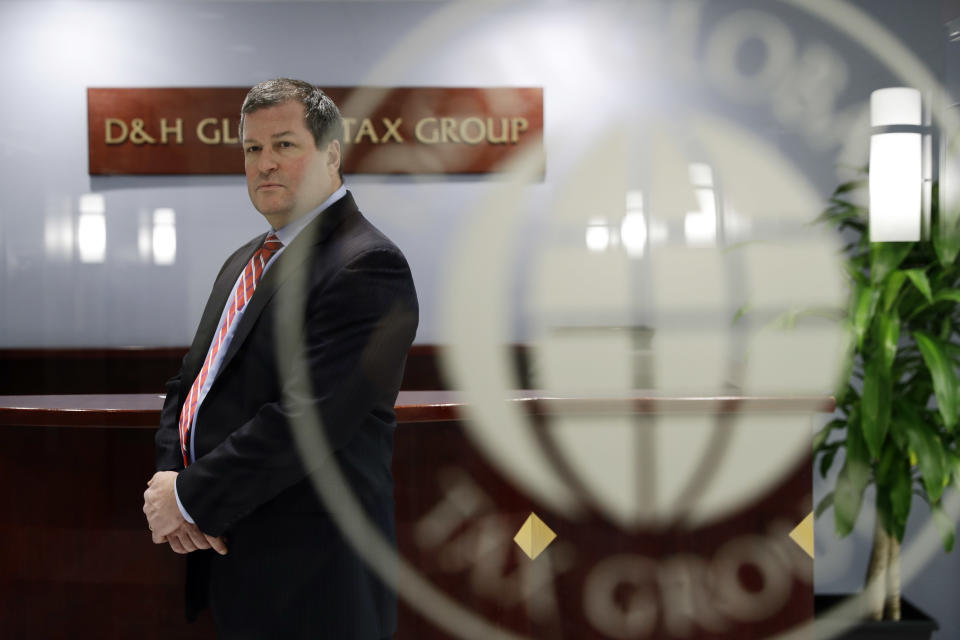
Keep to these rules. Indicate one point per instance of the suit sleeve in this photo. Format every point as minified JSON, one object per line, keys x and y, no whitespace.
{"x":349,"y":359}
{"x":169,"y":457}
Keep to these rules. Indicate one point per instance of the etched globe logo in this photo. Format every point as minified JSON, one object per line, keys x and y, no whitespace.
{"x":716,"y":285}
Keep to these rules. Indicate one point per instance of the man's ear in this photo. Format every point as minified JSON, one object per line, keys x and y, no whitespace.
{"x":333,"y":156}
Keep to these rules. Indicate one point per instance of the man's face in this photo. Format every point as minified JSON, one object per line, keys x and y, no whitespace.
{"x":287,"y":176}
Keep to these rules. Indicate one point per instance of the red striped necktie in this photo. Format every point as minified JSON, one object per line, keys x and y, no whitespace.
{"x":245,"y":288}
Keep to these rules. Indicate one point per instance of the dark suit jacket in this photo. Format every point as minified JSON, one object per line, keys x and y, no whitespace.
{"x":342,"y":301}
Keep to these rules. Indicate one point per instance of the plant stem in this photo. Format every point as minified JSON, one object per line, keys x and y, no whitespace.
{"x":891,"y":609}
{"x":877,"y":571}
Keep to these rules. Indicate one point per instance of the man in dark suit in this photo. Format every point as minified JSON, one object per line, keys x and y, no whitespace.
{"x":313,"y":319}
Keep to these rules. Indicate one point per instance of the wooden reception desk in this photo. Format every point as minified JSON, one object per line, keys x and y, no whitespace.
{"x":76,"y":559}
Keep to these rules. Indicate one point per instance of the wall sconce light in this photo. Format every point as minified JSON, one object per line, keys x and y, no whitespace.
{"x":164,"y":243}
{"x":598,"y":235}
{"x":700,"y":227}
{"x":896,"y":165}
{"x":92,"y":229}
{"x":633,"y":227}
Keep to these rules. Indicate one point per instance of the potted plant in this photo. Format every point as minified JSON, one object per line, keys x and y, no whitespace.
{"x":897,"y":409}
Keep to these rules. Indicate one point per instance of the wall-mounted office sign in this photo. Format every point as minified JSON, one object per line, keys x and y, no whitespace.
{"x":409,"y":130}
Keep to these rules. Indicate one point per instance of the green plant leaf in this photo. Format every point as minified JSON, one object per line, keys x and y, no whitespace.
{"x":901,"y":496}
{"x":876,"y":405}
{"x":742,"y":311}
{"x":954,"y":461}
{"x":854,"y":223}
{"x":840,"y":213}
{"x":852,"y":480}
{"x":921,"y":282}
{"x":943,"y":374}
{"x":952,"y":295}
{"x":894,"y":488}
{"x":930,"y":457}
{"x":885,"y":257}
{"x":919,"y":392}
{"x":785,"y":321}
{"x":855,"y":271}
{"x":944,"y":525}
{"x":892,"y":288}
{"x":885,"y":465}
{"x":846,"y":394}
{"x":844,"y":389}
{"x":826,"y":461}
{"x":888,"y":329}
{"x":898,"y":426}
{"x":823,"y":505}
{"x":894,"y":492}
{"x":865,"y":303}
{"x":821,"y":436}
{"x":953,"y":350}
{"x":851,"y":185}
{"x":945,"y":231}
{"x":884,"y":510}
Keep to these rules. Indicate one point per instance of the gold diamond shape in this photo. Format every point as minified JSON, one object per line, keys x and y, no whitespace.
{"x":802,"y":534}
{"x":534,"y":536}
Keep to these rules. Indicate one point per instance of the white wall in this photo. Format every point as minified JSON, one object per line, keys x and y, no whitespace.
{"x":600,"y":63}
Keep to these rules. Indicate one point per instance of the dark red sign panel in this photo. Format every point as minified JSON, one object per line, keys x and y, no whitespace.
{"x":407,"y":130}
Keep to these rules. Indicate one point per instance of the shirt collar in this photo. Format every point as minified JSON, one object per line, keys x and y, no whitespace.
{"x":289,"y":231}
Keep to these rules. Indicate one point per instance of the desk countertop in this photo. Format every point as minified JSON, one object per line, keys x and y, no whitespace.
{"x":142,"y":410}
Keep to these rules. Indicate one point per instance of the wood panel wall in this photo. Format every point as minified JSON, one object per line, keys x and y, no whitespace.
{"x":146,"y":369}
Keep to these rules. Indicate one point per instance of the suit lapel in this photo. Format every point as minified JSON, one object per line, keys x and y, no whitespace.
{"x":286,"y":264}
{"x":210,"y":320}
